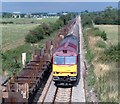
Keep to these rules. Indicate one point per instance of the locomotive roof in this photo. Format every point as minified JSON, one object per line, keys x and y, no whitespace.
{"x":71,"y":39}
{"x":70,"y":43}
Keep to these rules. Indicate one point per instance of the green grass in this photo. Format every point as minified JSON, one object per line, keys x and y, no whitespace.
{"x":52,"y":20}
{"x":112,"y":32}
{"x":0,"y":65}
{"x":101,"y":44}
{"x":106,"y":81}
{"x":107,"y":84}
{"x":14,"y":34}
{"x":89,"y":54}
{"x":8,"y":57}
{"x":91,"y":79}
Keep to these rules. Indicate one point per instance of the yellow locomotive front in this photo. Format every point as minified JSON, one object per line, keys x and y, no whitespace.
{"x":64,"y":68}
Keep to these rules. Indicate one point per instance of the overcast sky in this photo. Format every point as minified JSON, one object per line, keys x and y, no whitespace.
{"x":30,"y":7}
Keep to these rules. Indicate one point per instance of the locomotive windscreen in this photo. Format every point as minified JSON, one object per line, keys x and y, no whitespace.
{"x":58,"y":60}
{"x":70,"y":59}
{"x":64,"y":60}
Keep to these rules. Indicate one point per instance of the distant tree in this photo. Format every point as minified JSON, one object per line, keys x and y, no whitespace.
{"x":108,"y":16}
{"x":86,"y":11}
{"x":86,"y":20}
{"x":6,"y":15}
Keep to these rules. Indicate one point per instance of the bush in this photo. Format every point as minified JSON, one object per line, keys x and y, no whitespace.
{"x":35,"y":35}
{"x":97,"y":32}
{"x":58,"y":24}
{"x":104,"y":36}
{"x":31,"y":38}
{"x":45,"y":29}
{"x":15,"y":65}
{"x":38,"y":33}
{"x":112,"y":54}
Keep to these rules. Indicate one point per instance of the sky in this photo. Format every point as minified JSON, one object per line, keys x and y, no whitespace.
{"x":31,"y":7}
{"x":60,"y":0}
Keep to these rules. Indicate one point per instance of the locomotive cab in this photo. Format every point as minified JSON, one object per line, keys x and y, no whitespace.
{"x":65,"y":67}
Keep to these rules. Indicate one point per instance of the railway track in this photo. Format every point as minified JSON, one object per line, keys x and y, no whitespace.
{"x":53,"y":94}
{"x":62,"y":95}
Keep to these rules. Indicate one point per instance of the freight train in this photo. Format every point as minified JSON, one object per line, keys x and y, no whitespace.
{"x":22,"y":87}
{"x":65,"y":58}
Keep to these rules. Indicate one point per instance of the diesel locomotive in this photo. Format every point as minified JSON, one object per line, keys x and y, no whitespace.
{"x":65,"y":58}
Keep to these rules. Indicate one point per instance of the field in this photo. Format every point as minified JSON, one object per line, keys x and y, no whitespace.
{"x":29,"y":20}
{"x":112,"y":32}
{"x":13,"y":34}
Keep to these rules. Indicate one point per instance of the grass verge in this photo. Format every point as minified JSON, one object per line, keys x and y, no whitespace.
{"x":102,"y":74}
{"x":11,"y":60}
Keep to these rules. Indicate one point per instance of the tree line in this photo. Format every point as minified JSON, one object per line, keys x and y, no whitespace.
{"x":109,"y":16}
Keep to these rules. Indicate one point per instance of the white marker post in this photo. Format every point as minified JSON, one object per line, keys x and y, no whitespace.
{"x":23,"y":59}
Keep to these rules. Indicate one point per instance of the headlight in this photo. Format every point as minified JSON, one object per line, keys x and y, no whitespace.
{"x":73,"y":73}
{"x":55,"y":72}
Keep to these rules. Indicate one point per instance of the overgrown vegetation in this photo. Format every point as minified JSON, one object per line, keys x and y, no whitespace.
{"x":112,"y":54}
{"x":101,"y":44}
{"x":45,"y":29}
{"x":103,"y":57}
{"x":89,"y":56}
{"x":107,"y":85}
{"x":11,"y":60}
{"x":91,"y":77}
{"x":103,"y":69}
{"x":98,"y":32}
